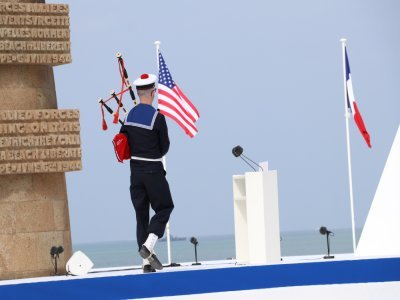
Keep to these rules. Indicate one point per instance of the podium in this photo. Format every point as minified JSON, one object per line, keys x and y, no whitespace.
{"x":257,"y":233}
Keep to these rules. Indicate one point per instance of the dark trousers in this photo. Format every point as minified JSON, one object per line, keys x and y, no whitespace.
{"x":150,"y":188}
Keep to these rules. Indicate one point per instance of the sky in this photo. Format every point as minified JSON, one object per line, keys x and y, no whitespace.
{"x":266,"y":75}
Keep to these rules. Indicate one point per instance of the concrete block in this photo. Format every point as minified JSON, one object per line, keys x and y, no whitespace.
{"x":49,"y":186}
{"x":24,"y":252}
{"x":6,"y":253}
{"x":15,"y":188}
{"x":34,"y":216}
{"x":61,"y":216}
{"x":7,"y":218}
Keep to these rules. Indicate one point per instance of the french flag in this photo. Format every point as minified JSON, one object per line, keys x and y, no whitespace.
{"x":352,"y":105}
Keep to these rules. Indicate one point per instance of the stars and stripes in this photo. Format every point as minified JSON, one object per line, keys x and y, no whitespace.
{"x":352,"y":105}
{"x":173,"y":103}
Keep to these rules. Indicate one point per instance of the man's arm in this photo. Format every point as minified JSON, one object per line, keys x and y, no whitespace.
{"x":164,"y":139}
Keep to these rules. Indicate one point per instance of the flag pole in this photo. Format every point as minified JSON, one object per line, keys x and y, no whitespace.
{"x":164,"y":161}
{"x":347,"y":116}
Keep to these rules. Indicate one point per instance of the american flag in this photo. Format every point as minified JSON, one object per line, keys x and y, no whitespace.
{"x":352,"y":105}
{"x":173,"y":103}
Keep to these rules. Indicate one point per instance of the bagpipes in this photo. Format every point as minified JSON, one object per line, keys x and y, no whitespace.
{"x":125,"y":86}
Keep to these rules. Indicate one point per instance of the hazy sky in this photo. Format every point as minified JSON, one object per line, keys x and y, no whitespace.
{"x":264,"y":74}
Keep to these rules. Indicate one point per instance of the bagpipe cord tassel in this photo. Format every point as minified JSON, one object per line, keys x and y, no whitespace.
{"x":104,"y":125}
{"x":116,"y":116}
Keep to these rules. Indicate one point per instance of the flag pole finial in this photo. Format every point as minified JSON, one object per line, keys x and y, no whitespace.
{"x":343,"y":40}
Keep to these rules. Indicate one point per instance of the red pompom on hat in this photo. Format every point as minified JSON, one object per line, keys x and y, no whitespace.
{"x":145,"y":81}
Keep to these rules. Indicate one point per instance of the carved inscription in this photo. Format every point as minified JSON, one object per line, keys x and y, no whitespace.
{"x":38,"y":8}
{"x":23,"y":46}
{"x":39,"y":141}
{"x":42,"y":59}
{"x":40,"y":167}
{"x":34,"y":33}
{"x":48,"y":21}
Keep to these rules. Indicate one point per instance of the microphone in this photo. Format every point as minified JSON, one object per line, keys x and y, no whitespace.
{"x":238,"y":152}
{"x":323,"y":230}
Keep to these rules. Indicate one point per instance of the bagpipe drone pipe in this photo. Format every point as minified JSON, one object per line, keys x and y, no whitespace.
{"x":125,"y":87}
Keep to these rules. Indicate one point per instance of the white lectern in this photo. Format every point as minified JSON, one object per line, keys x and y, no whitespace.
{"x":257,"y":234}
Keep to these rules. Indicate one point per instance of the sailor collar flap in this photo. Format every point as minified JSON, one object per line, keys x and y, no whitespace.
{"x":142,"y":116}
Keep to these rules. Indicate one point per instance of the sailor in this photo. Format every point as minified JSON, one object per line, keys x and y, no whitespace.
{"x":147,"y":134}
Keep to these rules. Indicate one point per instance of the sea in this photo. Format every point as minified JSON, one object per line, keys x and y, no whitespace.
{"x":222,"y":247}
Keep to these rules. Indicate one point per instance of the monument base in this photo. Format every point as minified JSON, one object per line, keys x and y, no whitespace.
{"x":33,"y":218}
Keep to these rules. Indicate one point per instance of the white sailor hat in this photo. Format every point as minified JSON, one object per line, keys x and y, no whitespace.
{"x":145,"y":81}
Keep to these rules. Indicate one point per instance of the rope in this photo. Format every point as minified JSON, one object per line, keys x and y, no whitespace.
{"x":122,"y":92}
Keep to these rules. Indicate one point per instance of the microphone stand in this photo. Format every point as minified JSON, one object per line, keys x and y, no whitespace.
{"x":238,"y":152}
{"x":328,"y":233}
{"x":256,"y":164}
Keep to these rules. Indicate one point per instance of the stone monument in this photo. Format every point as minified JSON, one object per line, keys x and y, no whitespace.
{"x":38,"y":141}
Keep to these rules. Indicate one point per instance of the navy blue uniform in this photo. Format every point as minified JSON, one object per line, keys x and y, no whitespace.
{"x":147,"y":134}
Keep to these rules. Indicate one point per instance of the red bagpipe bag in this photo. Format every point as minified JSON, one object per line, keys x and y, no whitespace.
{"x":121,"y":147}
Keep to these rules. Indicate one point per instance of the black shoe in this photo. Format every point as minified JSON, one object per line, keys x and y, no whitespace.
{"x":152,"y":258}
{"x":148,"y":269}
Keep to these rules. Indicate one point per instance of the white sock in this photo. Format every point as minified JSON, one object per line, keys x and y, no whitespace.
{"x":145,"y":262}
{"x":151,"y":241}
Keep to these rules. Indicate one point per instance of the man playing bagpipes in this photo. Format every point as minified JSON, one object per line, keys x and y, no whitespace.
{"x":143,"y":139}
{"x":147,"y":136}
